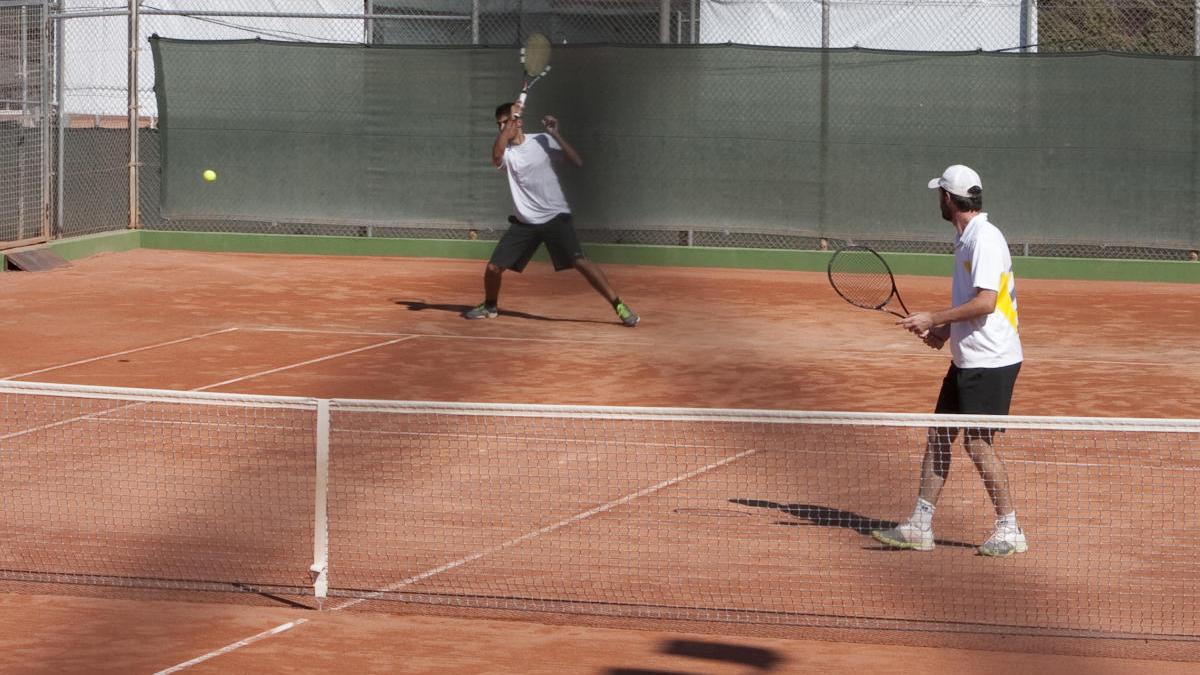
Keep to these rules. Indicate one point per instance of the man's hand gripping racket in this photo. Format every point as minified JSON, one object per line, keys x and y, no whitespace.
{"x":862,"y":277}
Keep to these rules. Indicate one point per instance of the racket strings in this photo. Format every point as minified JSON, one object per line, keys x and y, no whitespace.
{"x":862,"y":278}
{"x":536,"y":55}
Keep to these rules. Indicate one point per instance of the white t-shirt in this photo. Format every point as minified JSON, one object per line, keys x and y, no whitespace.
{"x":536,"y":192}
{"x":982,"y":260}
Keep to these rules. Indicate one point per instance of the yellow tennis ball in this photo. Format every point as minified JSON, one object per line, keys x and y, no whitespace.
{"x":210,"y":175}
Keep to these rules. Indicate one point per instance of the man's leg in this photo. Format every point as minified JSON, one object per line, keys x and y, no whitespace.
{"x":935,"y":467}
{"x":988,"y":391}
{"x":595,"y":276}
{"x":565,"y":251}
{"x":491,"y":293}
{"x":992,"y":470}
{"x":1008,"y":537}
{"x":513,"y":252}
{"x":492,"y":277}
{"x":917,"y":532}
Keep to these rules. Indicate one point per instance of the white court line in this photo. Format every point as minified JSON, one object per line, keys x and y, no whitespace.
{"x":231,"y":647}
{"x":544,"y":530}
{"x":204,"y":388}
{"x":542,"y":439}
{"x":924,"y":353}
{"x":286,"y":329}
{"x":306,"y":363}
{"x":474,"y":556}
{"x":122,"y":353}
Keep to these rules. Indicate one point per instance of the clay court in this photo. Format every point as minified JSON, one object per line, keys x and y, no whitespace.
{"x":765,"y":512}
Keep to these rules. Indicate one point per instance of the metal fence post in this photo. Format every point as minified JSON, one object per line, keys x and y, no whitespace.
{"x":60,"y":132}
{"x":45,"y":95}
{"x":664,"y":21}
{"x":133,"y":114}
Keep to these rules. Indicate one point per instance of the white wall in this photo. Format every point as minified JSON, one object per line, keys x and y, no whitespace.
{"x":924,"y":25}
{"x":95,"y":52}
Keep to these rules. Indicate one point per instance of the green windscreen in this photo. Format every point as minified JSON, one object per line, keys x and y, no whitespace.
{"x":1092,"y":148}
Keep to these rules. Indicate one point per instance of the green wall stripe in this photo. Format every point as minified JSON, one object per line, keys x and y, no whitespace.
{"x":315,"y":245}
{"x":921,"y":264}
{"x":89,"y":245}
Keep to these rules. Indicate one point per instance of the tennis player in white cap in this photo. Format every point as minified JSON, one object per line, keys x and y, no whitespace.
{"x":981,"y":326}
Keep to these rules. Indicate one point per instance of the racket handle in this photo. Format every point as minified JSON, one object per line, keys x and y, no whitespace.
{"x":521,"y":99}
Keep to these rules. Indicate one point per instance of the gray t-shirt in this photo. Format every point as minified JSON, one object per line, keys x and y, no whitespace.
{"x":536,"y":192}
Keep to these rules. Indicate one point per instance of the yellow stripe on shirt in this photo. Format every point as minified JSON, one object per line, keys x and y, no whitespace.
{"x":1006,"y":304}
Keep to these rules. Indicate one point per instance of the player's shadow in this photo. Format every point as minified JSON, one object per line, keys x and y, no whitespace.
{"x":760,"y":659}
{"x":421,"y":305}
{"x":826,"y":516}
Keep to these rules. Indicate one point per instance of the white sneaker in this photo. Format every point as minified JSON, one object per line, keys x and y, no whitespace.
{"x":906,"y":535}
{"x":1005,"y":541}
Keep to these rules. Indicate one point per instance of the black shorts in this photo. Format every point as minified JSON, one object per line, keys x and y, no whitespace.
{"x":519,"y":243}
{"x":977,"y":391}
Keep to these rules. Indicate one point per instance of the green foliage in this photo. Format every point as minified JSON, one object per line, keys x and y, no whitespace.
{"x":1133,"y":26}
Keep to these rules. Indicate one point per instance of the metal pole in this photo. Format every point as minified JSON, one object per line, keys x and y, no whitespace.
{"x":22,"y":48}
{"x":133,"y":114}
{"x":695,"y":23}
{"x":46,"y":34}
{"x":825,"y":24}
{"x":1029,"y":26}
{"x":664,"y":22}
{"x":823,"y":146}
{"x":475,"y":21}
{"x":60,"y":150}
{"x":369,"y":24}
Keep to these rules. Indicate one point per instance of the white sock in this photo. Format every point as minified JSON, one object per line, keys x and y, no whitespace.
{"x":922,"y":516}
{"x":1008,"y":520}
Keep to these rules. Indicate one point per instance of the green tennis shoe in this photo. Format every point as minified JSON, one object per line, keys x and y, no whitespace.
{"x":482,"y":311}
{"x":626,"y":314}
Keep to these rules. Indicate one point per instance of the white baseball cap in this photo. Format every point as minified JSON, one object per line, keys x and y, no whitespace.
{"x":957,"y":180}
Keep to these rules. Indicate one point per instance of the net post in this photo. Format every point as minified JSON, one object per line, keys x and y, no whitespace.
{"x":320,"y":566}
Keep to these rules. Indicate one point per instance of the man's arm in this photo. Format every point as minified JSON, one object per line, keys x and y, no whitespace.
{"x":511,"y":128}
{"x":982,"y":304}
{"x":501,"y":143}
{"x":551,"y":124}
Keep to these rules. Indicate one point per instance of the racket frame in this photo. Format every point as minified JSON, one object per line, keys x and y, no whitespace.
{"x":894,"y":293}
{"x":528,"y":77}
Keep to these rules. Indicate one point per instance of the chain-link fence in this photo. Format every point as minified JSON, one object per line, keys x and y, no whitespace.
{"x":24,"y":123}
{"x":94,"y":130}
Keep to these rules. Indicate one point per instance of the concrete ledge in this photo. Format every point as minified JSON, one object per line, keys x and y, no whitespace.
{"x":75,"y":248}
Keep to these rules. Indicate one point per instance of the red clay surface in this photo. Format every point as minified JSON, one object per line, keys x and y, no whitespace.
{"x":389,"y":329}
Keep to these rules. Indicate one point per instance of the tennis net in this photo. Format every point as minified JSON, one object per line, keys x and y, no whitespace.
{"x":759,"y":517}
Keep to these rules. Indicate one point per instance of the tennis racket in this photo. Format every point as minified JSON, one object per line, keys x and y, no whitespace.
{"x":535,"y":63}
{"x":863,"y":279}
